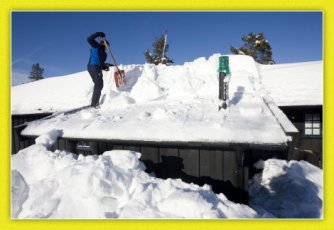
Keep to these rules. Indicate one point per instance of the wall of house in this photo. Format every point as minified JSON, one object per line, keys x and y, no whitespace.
{"x":226,"y":170}
{"x":226,"y":167}
{"x":309,"y":147}
{"x":17,"y":141}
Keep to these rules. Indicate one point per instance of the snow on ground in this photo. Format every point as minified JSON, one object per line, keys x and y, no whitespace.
{"x":63,"y":185}
{"x":159,"y":103}
{"x":287,"y":189}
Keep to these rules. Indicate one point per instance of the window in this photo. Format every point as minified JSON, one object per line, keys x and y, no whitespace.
{"x":312,"y":125}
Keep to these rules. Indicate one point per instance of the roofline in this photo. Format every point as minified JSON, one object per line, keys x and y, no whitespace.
{"x":307,"y":106}
{"x":182,"y":144}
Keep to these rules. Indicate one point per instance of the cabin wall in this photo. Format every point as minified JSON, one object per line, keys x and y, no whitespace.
{"x":226,"y":168}
{"x":308,"y":147}
{"x":19,"y":142}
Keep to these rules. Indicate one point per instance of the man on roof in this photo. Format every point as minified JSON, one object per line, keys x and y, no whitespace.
{"x":97,"y":63}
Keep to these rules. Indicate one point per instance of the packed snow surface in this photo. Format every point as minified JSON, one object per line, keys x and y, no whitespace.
{"x":63,"y":185}
{"x":159,"y":103}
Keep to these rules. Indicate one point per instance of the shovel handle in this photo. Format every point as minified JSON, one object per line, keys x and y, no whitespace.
{"x":112,"y":56}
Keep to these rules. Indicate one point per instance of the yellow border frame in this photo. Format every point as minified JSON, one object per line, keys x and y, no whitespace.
{"x":6,"y":6}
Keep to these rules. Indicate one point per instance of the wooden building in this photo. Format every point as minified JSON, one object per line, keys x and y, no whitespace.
{"x":298,"y":92}
{"x":309,"y":141}
{"x":225,"y":165}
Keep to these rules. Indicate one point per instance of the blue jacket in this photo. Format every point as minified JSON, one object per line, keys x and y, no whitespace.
{"x":97,"y":53}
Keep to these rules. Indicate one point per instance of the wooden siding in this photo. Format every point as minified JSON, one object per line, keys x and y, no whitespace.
{"x":309,"y":148}
{"x":225,"y":167}
{"x":17,"y":141}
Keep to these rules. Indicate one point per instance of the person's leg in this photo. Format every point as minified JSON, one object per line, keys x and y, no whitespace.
{"x":96,"y":75}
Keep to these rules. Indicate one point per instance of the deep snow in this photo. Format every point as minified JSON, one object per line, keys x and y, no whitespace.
{"x":287,"y":84}
{"x":63,"y":185}
{"x":163,"y":103}
{"x":160,"y":103}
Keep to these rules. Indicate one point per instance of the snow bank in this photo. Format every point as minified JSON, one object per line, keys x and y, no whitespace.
{"x":62,"y":185}
{"x":288,"y":189}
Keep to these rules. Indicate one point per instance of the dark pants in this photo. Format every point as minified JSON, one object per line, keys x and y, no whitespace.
{"x":222,"y":85}
{"x":96,"y":75}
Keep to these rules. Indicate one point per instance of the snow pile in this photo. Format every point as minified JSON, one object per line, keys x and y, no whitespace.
{"x":113,"y":185}
{"x":165,"y":103}
{"x":50,"y":139}
{"x":62,"y":185}
{"x":288,"y":189}
{"x":288,"y":84}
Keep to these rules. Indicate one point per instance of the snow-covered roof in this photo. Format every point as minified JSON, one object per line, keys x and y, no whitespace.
{"x":161,"y":103}
{"x":297,"y":84}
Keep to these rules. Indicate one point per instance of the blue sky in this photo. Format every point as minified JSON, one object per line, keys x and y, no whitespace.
{"x":57,"y":40}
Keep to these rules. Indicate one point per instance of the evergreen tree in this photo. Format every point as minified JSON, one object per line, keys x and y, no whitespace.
{"x":36,"y":72}
{"x":257,"y":46}
{"x":156,"y":58}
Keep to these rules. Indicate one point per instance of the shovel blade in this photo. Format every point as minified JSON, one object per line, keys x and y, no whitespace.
{"x":120,"y":79}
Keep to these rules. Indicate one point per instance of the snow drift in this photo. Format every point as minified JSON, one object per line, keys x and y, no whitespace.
{"x":287,"y":189}
{"x":115,"y":185}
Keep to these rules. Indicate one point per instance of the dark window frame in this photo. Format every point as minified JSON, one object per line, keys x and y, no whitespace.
{"x":315,"y":123}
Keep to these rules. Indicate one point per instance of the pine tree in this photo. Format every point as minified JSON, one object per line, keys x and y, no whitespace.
{"x":156,"y":58}
{"x":36,"y":72}
{"x":257,"y":46}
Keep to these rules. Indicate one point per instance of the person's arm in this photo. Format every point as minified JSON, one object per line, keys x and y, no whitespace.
{"x":91,"y":38}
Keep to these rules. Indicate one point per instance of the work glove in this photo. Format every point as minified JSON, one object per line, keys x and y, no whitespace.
{"x":106,"y":66}
{"x":102,"y":35}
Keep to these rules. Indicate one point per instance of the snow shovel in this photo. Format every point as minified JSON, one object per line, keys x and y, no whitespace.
{"x":119,"y":75}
